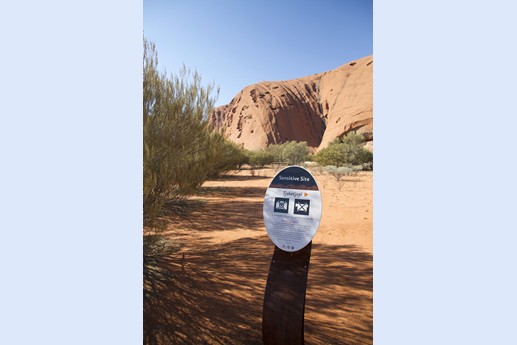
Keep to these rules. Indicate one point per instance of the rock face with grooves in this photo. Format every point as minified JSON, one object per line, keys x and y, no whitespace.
{"x":316,"y":109}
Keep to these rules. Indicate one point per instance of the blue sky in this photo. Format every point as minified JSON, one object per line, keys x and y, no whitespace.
{"x":238,"y":43}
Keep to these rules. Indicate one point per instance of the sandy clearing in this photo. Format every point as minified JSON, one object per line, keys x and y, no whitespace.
{"x":214,"y":285}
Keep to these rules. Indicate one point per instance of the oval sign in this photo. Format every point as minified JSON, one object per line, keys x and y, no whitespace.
{"x":292,"y":208}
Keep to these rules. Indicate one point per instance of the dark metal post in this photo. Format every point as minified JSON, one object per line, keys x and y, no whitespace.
{"x":284,"y":299}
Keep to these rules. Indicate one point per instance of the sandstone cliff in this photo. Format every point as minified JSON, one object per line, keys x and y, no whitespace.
{"x":316,"y":109}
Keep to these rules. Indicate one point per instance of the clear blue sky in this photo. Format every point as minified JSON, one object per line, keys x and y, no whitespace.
{"x":238,"y":43}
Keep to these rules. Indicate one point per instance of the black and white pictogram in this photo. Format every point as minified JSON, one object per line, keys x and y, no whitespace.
{"x":281,"y":205}
{"x":301,"y":206}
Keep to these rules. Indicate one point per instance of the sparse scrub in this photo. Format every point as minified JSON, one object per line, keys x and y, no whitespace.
{"x":368,"y":166}
{"x":260,"y":158}
{"x":289,"y":153}
{"x":339,"y":173}
{"x":316,"y":169}
{"x":224,"y":155}
{"x":276,"y":151}
{"x":346,"y":151}
{"x":295,"y":152}
{"x":276,"y":167}
{"x":180,"y":149}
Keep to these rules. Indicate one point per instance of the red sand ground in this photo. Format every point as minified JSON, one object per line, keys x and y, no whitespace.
{"x":215,"y":282}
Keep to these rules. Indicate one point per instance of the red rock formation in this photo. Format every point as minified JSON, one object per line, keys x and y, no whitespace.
{"x":316,"y":109}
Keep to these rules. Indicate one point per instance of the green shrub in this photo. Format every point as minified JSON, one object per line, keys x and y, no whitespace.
{"x":180,"y":149}
{"x":260,"y":158}
{"x":346,"y":151}
{"x":276,"y":151}
{"x":289,"y":153}
{"x":340,"y":172}
{"x":295,"y":152}
{"x":224,"y":155}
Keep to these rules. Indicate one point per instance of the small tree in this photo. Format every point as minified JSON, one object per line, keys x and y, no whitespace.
{"x":345,"y":151}
{"x":276,"y":151}
{"x":176,"y":135}
{"x":260,"y":158}
{"x":180,"y":151}
{"x":223,"y":155}
{"x":291,"y":152}
{"x":295,"y":152}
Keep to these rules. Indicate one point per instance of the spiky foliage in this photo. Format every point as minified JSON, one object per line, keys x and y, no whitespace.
{"x":176,"y":133}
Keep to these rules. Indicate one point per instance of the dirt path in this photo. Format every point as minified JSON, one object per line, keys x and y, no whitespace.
{"x":213,"y":287}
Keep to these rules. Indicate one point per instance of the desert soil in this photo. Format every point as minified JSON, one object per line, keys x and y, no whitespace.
{"x":216,"y":279}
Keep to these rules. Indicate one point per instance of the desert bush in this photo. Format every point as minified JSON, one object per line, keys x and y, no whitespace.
{"x":368,"y":166}
{"x":260,"y":158}
{"x":338,"y":172}
{"x":309,"y":164}
{"x":277,"y":166}
{"x":295,"y":152}
{"x":314,"y":168}
{"x":180,"y":152}
{"x":345,"y":151}
{"x":224,"y":155}
{"x":289,"y":153}
{"x":276,"y":151}
{"x":180,"y":149}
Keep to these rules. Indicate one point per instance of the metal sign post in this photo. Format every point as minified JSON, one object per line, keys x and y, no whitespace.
{"x":292,"y":214}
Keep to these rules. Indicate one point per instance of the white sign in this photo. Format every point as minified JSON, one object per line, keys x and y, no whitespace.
{"x":292,"y":208}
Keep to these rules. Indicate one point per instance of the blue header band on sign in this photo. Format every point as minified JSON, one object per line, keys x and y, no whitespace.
{"x":294,"y":178}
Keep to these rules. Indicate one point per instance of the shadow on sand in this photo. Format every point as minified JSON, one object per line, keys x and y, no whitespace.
{"x":259,"y":176}
{"x":247,"y":192}
{"x":218,"y":215}
{"x":214,"y":295}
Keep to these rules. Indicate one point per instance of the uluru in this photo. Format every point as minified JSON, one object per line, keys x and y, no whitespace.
{"x":316,"y":109}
